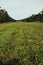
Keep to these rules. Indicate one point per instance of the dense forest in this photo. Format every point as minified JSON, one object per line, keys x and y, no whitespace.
{"x":4,"y":17}
{"x":34,"y":18}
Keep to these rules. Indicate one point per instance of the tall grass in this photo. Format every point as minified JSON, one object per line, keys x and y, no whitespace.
{"x":22,"y":41}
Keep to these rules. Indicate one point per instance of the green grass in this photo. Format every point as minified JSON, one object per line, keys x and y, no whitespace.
{"x":23,"y":41}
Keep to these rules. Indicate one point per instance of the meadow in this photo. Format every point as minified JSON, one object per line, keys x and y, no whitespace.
{"x":22,"y":41}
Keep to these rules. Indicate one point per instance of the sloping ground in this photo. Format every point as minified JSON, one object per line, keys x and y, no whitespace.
{"x":22,"y":42}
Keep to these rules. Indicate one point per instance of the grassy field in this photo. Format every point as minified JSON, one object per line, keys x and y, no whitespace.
{"x":23,"y":42}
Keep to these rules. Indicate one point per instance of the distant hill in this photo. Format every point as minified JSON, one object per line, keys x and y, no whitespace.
{"x":4,"y":17}
{"x":34,"y":18}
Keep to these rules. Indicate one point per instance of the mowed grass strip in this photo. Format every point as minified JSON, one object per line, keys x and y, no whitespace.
{"x":18,"y":39}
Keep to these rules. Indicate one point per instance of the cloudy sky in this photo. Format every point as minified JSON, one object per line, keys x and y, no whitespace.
{"x":19,"y":9}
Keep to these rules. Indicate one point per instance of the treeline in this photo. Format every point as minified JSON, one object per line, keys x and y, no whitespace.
{"x":34,"y":18}
{"x":4,"y":17}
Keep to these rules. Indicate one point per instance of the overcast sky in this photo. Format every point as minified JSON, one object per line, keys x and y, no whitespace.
{"x":19,"y":9}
